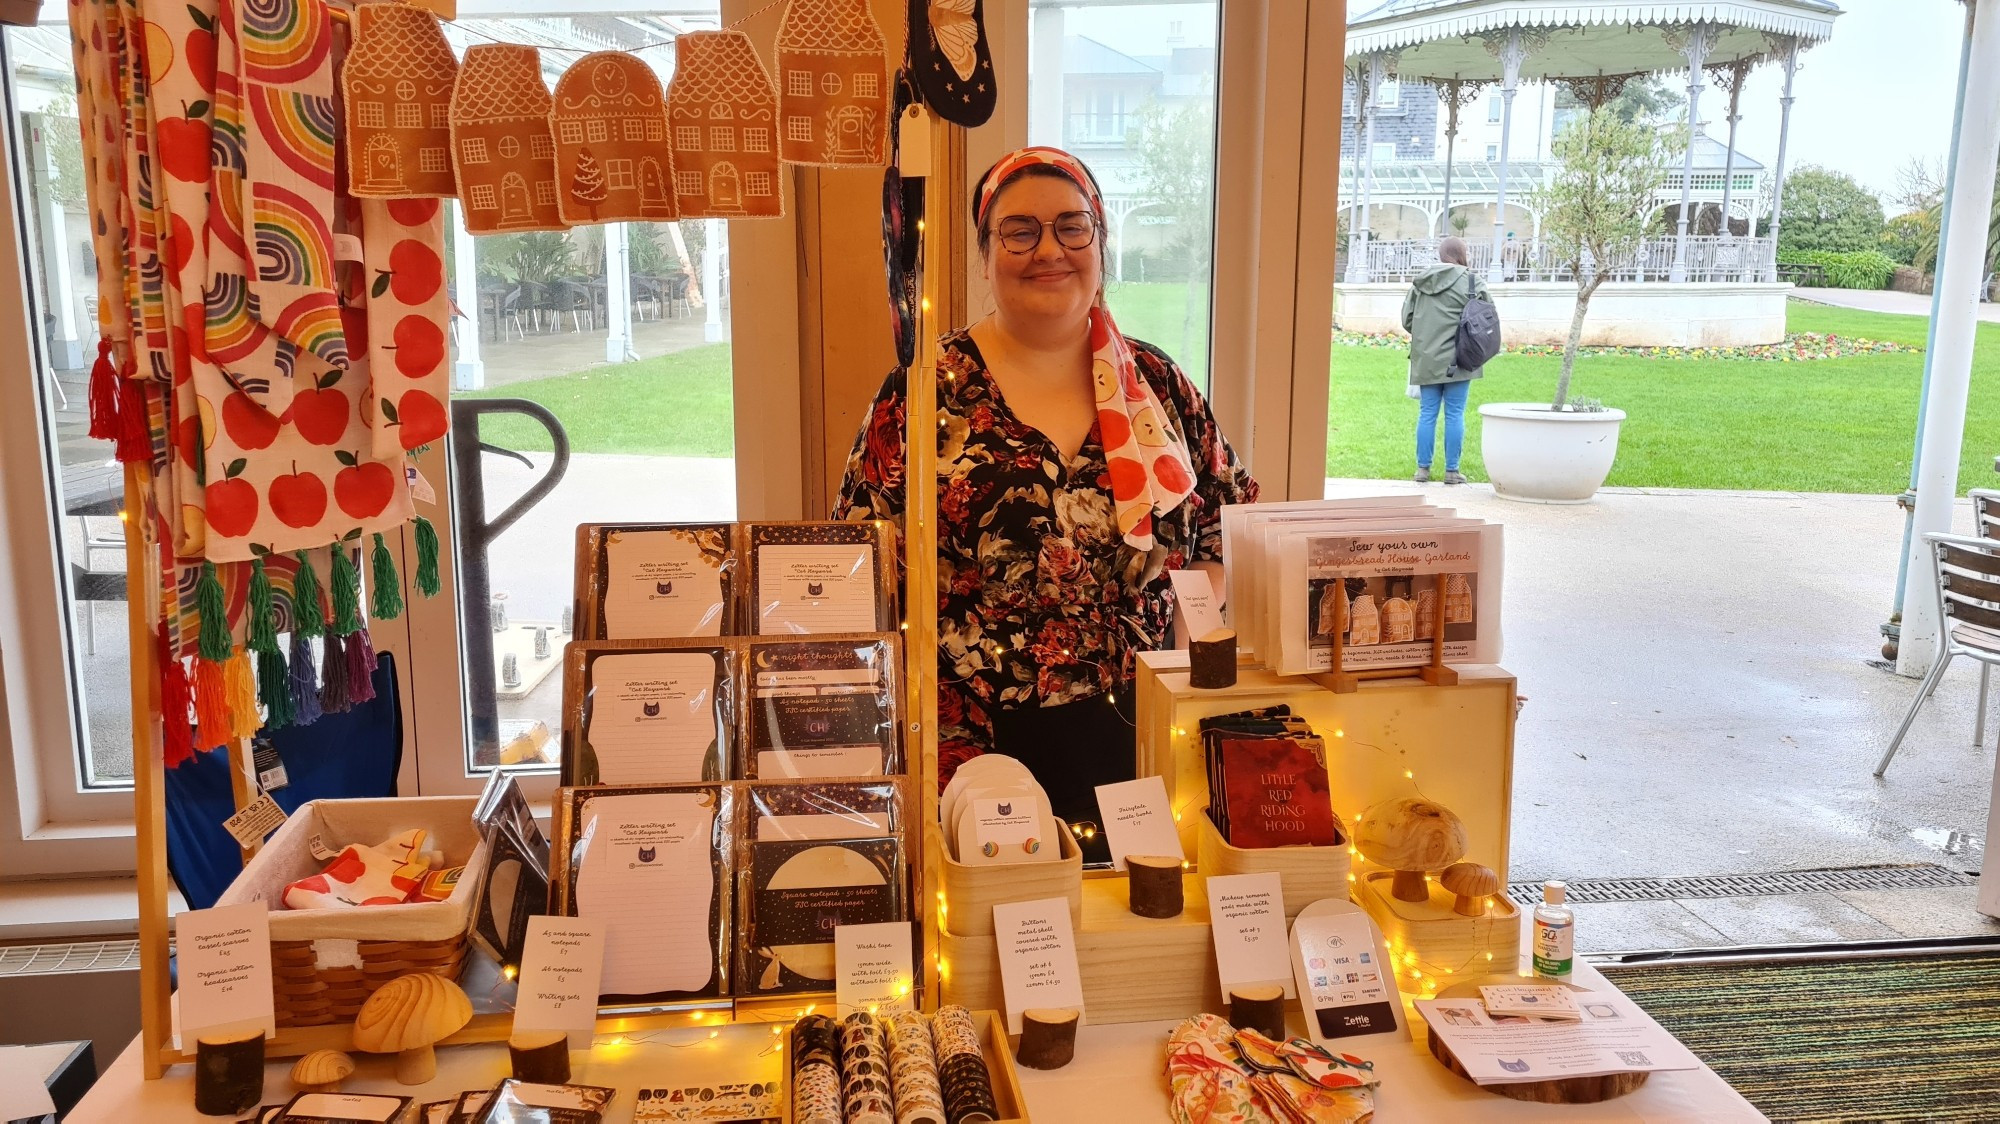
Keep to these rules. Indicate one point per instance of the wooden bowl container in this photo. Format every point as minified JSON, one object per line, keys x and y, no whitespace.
{"x":1306,"y":873}
{"x":971,"y":892}
{"x":1561,"y":1090}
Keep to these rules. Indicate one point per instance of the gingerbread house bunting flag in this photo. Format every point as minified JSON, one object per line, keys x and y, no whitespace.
{"x":612,"y":162}
{"x":834,"y":101}
{"x":501,"y":144}
{"x":397,"y":84}
{"x":723,"y":108}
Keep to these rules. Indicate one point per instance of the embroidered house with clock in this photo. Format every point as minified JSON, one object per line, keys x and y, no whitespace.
{"x":834,"y":100}
{"x":398,"y":86}
{"x":722,"y":109}
{"x":610,"y":125}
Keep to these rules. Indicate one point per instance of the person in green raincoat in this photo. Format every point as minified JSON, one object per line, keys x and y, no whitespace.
{"x":1431,"y":311}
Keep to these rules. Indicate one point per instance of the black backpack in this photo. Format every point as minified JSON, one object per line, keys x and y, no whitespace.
{"x":1478,"y":332}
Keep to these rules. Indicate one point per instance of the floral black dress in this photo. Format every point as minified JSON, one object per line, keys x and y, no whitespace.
{"x":1040,"y":600}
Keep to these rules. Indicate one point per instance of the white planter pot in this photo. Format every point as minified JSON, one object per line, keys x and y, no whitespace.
{"x":1541,"y":455}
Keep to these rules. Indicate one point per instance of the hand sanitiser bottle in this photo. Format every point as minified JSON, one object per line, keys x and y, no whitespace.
{"x":1555,"y":934}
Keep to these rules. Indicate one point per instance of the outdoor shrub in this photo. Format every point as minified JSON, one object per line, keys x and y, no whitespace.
{"x":1828,"y":211}
{"x":1865,"y":269}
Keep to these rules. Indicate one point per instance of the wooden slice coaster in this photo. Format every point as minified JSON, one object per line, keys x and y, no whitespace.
{"x":1565,"y":1090}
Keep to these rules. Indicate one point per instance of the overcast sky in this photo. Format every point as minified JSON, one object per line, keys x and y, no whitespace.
{"x":1875,"y":95}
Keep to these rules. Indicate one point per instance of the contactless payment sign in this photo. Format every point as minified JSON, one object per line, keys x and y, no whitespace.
{"x":1343,"y":984}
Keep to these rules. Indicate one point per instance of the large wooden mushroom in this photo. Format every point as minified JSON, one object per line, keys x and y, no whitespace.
{"x":406,"y":1017}
{"x":1410,"y":836}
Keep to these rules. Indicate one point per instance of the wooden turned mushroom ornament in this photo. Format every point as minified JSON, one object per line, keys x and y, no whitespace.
{"x":406,"y":1017}
{"x":1473,"y":884}
{"x":1412,"y":837}
{"x":322,"y":1071}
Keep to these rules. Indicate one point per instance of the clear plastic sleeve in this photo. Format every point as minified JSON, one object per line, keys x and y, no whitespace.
{"x":653,"y":581}
{"x":650,"y":712}
{"x":813,"y":856}
{"x":521,"y":1102}
{"x":819,"y":577}
{"x":822,"y":706}
{"x":652,"y":864}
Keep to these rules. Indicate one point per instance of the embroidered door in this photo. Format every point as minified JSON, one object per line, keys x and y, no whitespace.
{"x":653,"y":196}
{"x":517,"y":206}
{"x":382,"y":164}
{"x":725,"y":188}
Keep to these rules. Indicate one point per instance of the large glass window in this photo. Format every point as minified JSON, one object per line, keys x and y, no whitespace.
{"x":1131,"y":90}
{"x":86,"y":484}
{"x":592,"y":384}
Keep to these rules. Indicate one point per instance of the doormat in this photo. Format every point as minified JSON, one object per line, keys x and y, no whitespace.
{"x":1867,"y":1039}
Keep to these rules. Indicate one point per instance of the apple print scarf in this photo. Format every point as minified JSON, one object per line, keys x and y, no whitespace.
{"x":1150,"y":470}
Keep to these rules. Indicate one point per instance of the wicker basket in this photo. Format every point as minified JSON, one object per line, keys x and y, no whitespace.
{"x":326,"y":962}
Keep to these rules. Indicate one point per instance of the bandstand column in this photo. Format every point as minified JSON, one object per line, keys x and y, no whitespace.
{"x":1369,"y":79}
{"x":1700,"y":39}
{"x":1513,"y":52}
{"x":1738,"y":71}
{"x":1786,"y":51}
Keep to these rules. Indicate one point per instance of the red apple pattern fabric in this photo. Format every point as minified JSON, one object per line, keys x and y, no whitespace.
{"x":408,"y":308}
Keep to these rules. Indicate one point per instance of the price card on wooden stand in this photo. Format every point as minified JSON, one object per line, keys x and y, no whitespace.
{"x":1037,"y":957}
{"x":224,"y":957}
{"x":872,"y":967}
{"x":1247,"y":919}
{"x":1138,"y":819}
{"x":562,"y":964}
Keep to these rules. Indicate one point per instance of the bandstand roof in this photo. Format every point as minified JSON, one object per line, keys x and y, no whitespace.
{"x":1439,"y":39}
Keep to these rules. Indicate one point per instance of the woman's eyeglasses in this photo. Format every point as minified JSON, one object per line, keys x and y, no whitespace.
{"x":1020,"y":234}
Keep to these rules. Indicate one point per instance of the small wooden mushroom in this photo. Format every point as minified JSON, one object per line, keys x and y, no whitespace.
{"x":322,"y":1071}
{"x":1473,"y":884}
{"x":406,"y":1017}
{"x":1411,"y":837}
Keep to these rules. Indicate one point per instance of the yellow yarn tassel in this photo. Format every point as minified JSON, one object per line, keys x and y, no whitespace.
{"x":242,"y":683}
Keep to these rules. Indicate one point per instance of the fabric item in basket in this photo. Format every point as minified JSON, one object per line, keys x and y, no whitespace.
{"x":385,"y":874}
{"x":437,"y":884}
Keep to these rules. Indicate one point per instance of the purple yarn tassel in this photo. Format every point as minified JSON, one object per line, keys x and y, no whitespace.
{"x":360,"y":667}
{"x":333,"y":678}
{"x":302,"y":681}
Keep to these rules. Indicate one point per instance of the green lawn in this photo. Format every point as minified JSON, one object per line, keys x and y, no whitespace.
{"x":1832,"y":425}
{"x":674,"y":405}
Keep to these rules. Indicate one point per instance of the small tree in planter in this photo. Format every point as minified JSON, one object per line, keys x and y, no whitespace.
{"x":1594,"y":209}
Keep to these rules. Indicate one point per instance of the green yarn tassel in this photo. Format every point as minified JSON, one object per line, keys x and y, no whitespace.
{"x":263,"y":634}
{"x":215,"y":643}
{"x":346,"y":595}
{"x":274,"y":690}
{"x":387,"y":603}
{"x":428,"y":582}
{"x":308,"y":615}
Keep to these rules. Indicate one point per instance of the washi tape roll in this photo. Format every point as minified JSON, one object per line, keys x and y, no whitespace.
{"x":816,"y":1094}
{"x":954,"y":1032}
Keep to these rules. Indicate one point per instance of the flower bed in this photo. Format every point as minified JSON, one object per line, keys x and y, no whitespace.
{"x":1798,"y":347}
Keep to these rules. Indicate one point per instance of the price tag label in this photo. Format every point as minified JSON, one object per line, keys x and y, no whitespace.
{"x":562,"y":965}
{"x":224,"y":958}
{"x":1037,"y":957}
{"x":255,"y":822}
{"x":872,"y":967}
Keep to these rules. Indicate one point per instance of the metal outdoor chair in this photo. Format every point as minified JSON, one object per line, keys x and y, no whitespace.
{"x":1966,"y":573}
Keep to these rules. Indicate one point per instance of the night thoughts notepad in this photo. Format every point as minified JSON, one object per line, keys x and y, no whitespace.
{"x":821,"y":708}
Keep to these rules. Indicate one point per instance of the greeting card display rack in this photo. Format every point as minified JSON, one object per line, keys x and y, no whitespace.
{"x":1341,"y":681}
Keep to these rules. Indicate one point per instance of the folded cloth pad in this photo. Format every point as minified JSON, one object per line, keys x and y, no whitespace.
{"x":385,"y":874}
{"x":1224,"y":1076}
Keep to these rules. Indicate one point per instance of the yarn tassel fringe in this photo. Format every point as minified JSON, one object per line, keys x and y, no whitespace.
{"x":346,"y":593}
{"x":211,"y":705}
{"x":135,"y":438}
{"x":215,"y":643}
{"x":387,"y":602}
{"x":302,"y":680}
{"x":333,"y":677}
{"x":242,"y":682}
{"x":176,"y":702}
{"x":104,"y":394}
{"x":360,"y":667}
{"x":308,"y":608}
{"x":274,"y":690}
{"x":428,"y":579}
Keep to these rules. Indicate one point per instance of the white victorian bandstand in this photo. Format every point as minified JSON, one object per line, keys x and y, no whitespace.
{"x":1711,"y":282}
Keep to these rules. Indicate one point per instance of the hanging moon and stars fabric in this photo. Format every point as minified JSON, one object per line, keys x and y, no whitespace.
{"x":952,"y":60}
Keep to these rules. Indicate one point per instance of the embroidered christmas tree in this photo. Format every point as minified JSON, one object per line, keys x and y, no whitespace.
{"x":587,"y":185}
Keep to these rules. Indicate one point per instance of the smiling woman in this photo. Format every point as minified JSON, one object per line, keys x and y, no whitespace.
{"x":1076,"y":468}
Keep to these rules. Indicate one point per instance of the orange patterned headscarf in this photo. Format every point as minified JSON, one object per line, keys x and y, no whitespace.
{"x":1149,"y":467}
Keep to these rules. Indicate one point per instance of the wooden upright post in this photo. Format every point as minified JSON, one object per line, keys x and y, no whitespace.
{"x":149,"y":781}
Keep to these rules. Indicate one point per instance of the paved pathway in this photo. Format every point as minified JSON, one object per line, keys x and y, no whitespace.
{"x":1884,"y":300}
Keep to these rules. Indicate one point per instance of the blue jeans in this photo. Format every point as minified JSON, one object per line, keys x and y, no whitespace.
{"x":1452,"y":396}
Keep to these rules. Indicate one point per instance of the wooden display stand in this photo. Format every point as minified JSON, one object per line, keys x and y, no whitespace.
{"x":1343,"y":682}
{"x":1445,"y":942}
{"x":1391,"y":737}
